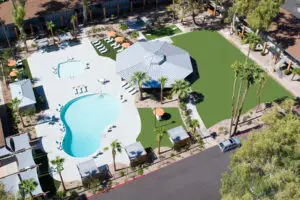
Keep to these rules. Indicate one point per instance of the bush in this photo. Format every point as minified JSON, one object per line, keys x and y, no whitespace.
{"x":140,"y":171}
{"x":123,"y":26}
{"x":287,"y":72}
{"x":182,"y":106}
{"x":122,"y":173}
{"x":134,"y":34}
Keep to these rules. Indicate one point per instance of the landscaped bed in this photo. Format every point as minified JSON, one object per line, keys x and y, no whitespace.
{"x":214,"y":56}
{"x":147,"y":136}
{"x":161,"y":32}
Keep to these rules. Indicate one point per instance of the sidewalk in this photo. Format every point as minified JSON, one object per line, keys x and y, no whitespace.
{"x":266,"y":62}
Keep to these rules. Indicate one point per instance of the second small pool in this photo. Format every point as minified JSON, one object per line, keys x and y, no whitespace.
{"x":70,"y":68}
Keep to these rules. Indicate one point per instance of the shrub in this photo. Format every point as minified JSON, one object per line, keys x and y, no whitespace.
{"x":182,"y":106}
{"x":123,"y":26}
{"x":134,"y":34}
{"x":287,"y":72}
{"x":122,"y":173}
{"x":140,"y":171}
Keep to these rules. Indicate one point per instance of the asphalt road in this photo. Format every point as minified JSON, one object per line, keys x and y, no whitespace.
{"x":197,"y":177}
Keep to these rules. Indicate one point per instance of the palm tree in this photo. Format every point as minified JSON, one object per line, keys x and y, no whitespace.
{"x":73,"y":22}
{"x":50,"y":25}
{"x":182,"y":88}
{"x":15,"y":105}
{"x":253,"y":40}
{"x":261,"y":81}
{"x":18,"y":17}
{"x":251,"y":75}
{"x":194,"y":125}
{"x":159,"y":132}
{"x":138,"y":79}
{"x":162,"y":80}
{"x":295,"y":71}
{"x":58,"y":163}
{"x":115,"y":148}
{"x":236,"y":67}
{"x":28,"y":186}
{"x":85,"y":11}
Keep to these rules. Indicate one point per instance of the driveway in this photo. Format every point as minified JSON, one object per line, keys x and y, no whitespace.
{"x":197,"y":177}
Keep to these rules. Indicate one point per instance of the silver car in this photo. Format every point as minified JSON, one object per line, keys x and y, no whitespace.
{"x":229,"y":144}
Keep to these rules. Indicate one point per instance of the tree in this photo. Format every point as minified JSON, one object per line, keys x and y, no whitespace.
{"x":50,"y":25}
{"x":253,"y":40}
{"x":250,"y":76}
{"x":28,"y":186}
{"x":73,"y":22}
{"x":123,"y":26}
{"x":85,"y":11}
{"x":287,"y":105}
{"x":58,"y":163}
{"x":267,"y":164}
{"x":181,"y":88}
{"x":194,"y":125}
{"x":134,"y":34}
{"x":15,"y":105}
{"x":139,"y":78}
{"x":5,"y":195}
{"x":159,"y":132}
{"x":262,"y":80}
{"x":18,"y":17}
{"x":115,"y":148}
{"x":162,"y":80}
{"x":295,"y":71}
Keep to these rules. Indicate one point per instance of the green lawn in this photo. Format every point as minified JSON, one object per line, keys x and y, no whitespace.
{"x":214,"y":56}
{"x":147,"y":136}
{"x":111,"y":53}
{"x":162,"y":32}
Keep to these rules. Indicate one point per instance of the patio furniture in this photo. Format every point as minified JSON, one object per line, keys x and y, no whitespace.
{"x":123,"y":83}
{"x":95,"y":41}
{"x":106,"y":39}
{"x":110,"y":41}
{"x":101,"y":48}
{"x":103,"y":51}
{"x":117,"y":46}
{"x":113,"y":44}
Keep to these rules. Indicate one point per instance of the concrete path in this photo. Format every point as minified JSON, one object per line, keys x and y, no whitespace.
{"x":196,"y":177}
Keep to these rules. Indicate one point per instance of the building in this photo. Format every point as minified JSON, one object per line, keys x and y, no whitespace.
{"x":178,"y":137}
{"x":89,"y":170}
{"x":136,"y":153}
{"x":156,"y":58}
{"x":23,"y":91}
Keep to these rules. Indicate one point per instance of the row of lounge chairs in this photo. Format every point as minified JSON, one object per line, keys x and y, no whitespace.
{"x":99,"y":46}
{"x":114,"y":45}
{"x":127,"y":87}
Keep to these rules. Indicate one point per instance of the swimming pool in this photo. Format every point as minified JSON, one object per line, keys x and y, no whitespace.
{"x":70,"y":68}
{"x":85,"y":119}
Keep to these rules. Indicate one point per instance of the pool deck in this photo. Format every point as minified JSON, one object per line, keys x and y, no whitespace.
{"x":60,"y":91}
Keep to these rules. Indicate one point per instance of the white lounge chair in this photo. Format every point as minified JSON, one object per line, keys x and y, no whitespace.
{"x":117,"y":46}
{"x":106,"y":39}
{"x":101,"y":48}
{"x":103,"y":51}
{"x":113,"y":44}
{"x":133,"y":92}
{"x":95,"y":41}
{"x":110,"y":41}
{"x":132,"y":89}
{"x":123,"y":83}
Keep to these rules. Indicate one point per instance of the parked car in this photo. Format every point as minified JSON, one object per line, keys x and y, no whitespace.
{"x":230,"y":144}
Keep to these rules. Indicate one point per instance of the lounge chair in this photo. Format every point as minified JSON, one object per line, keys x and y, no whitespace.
{"x":101,"y":48}
{"x":103,"y":51}
{"x":133,"y":92}
{"x":117,"y":46}
{"x":95,"y":41}
{"x":98,"y":44}
{"x":113,"y":44}
{"x":123,"y":83}
{"x":110,"y":41}
{"x":106,"y":39}
{"x":132,"y":89}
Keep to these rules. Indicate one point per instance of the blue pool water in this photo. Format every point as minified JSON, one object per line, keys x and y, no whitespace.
{"x":70,"y":68}
{"x":85,"y":118}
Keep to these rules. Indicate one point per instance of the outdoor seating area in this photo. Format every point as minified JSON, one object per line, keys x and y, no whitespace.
{"x":178,"y":136}
{"x":136,"y":153}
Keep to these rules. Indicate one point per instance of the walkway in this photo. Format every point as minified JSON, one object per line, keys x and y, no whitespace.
{"x":266,"y":62}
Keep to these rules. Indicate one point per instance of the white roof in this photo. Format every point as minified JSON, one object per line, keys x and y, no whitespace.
{"x":19,"y":142}
{"x":157,"y":58}
{"x":87,"y":168}
{"x":11,"y":183}
{"x":25,"y":159}
{"x":23,"y":91}
{"x":135,"y":150}
{"x":32,"y":174}
{"x":4,"y":152}
{"x":178,"y":133}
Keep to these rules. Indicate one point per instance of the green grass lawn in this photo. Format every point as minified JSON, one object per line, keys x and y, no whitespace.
{"x":111,"y":53}
{"x":214,"y":56}
{"x":147,"y":136}
{"x":162,"y":32}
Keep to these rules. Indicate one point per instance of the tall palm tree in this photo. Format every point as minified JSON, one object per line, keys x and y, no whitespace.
{"x":261,"y":81}
{"x":252,"y":72}
{"x":159,"y":132}
{"x":18,"y":17}
{"x":73,"y":22}
{"x":15,"y":105}
{"x":50,"y":25}
{"x":162,"y":80}
{"x":236,"y":67}
{"x":139,"y":78}
{"x":182,"y":88}
{"x":28,"y":186}
{"x":295,"y":71}
{"x":85,"y":11}
{"x":253,"y":40}
{"x":116,"y":147}
{"x":58,"y":163}
{"x":194,"y":125}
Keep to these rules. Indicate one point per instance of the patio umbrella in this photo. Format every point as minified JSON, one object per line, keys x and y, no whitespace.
{"x":13,"y":73}
{"x":158,"y":112}
{"x":11,"y":63}
{"x":119,"y":39}
{"x":111,"y":33}
{"x":125,"y":44}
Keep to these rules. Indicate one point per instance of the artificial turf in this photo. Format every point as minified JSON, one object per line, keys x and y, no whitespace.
{"x":214,"y":55}
{"x":147,"y":136}
{"x":111,"y":53}
{"x":161,"y":32}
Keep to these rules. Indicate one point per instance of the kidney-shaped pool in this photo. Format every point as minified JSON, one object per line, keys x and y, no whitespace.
{"x":85,"y":119}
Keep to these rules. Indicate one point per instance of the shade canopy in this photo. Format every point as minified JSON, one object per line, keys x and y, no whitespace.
{"x":14,"y":73}
{"x":158,"y":112}
{"x":11,"y":63}
{"x":119,"y":39}
{"x":126,"y":45}
{"x":111,"y":33}
{"x":157,"y":59}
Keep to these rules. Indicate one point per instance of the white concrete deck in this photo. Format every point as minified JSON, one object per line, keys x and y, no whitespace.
{"x":59,"y":91}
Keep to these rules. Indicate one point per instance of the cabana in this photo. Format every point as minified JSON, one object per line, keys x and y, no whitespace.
{"x":25,"y":160}
{"x":178,"y":136}
{"x":4,"y":152}
{"x":23,"y":91}
{"x":32,"y":174}
{"x":89,"y":170}
{"x":11,"y":184}
{"x":136,"y":153}
{"x":18,"y":142}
